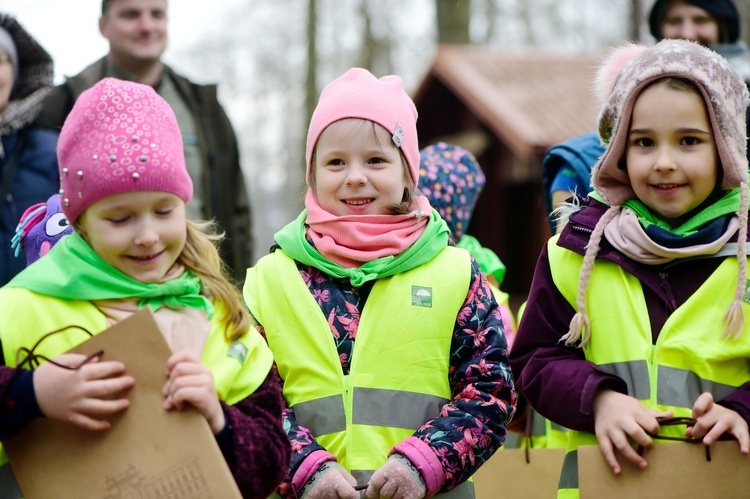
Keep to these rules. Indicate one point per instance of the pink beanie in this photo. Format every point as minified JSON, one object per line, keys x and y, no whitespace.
{"x":359,"y":94}
{"x":120,"y":137}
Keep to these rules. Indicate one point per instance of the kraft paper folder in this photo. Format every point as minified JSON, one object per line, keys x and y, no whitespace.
{"x":507,"y":475}
{"x":148,"y":451}
{"x":674,"y":470}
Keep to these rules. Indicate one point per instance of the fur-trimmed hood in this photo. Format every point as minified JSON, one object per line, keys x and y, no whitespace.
{"x":34,"y":81}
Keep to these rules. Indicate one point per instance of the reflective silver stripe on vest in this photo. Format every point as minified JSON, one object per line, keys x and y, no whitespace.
{"x":322,"y":416}
{"x":463,"y":491}
{"x":371,"y":406}
{"x":557,"y":427}
{"x":569,"y":472}
{"x":635,"y":375}
{"x":680,"y":387}
{"x":8,"y":485}
{"x":396,"y":409}
{"x":676,"y":387}
{"x":538,"y":427}
{"x":362,"y":476}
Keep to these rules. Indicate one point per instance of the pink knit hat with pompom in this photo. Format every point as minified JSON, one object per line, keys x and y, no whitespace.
{"x":359,"y":94}
{"x":725,"y":94}
{"x":120,"y":137}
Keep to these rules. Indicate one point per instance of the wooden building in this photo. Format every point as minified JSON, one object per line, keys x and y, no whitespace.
{"x":508,"y":109}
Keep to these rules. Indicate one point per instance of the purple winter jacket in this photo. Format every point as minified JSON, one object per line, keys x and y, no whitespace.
{"x":555,"y":378}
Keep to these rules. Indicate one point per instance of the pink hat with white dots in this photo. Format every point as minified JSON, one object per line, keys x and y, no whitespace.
{"x":121,"y":136}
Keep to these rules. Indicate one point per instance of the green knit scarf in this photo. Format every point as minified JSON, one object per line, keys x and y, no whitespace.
{"x":728,"y":204}
{"x":73,"y":271}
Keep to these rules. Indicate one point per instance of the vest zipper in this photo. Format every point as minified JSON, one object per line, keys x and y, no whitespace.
{"x":653,"y":374}
{"x":669,"y":301}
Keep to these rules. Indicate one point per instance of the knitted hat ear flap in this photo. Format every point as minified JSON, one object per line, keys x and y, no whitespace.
{"x":734,"y":318}
{"x":580,"y":326}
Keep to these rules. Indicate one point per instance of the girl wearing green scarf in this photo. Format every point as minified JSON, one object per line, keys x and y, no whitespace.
{"x":124,"y":188}
{"x":387,"y":337}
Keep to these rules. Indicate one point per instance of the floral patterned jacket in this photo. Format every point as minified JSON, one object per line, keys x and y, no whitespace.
{"x":472,"y":426}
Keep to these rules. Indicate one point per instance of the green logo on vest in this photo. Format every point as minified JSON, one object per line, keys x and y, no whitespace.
{"x":237,"y":350}
{"x":421,"y":296}
{"x":746,"y":296}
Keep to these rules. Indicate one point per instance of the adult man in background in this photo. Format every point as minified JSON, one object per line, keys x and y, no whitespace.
{"x":137,"y":35}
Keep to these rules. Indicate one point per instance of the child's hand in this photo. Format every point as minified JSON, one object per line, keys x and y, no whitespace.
{"x":191,"y":382}
{"x":715,"y":420}
{"x":84,"y":396}
{"x":617,"y":417}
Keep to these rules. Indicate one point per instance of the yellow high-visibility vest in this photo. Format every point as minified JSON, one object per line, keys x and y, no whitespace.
{"x":238,"y":368}
{"x":399,"y":371}
{"x":689,"y":357}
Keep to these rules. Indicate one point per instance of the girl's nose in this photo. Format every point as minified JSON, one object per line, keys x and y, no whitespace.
{"x":665,"y":161}
{"x":147,"y":236}
{"x":356,"y":175}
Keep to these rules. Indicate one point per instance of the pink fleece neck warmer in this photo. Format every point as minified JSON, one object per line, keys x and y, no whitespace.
{"x":351,"y":241}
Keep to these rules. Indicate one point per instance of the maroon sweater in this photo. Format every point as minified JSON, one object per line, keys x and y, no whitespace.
{"x":556,"y":379}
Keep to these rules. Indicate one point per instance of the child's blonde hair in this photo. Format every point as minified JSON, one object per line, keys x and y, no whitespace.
{"x":201,"y":256}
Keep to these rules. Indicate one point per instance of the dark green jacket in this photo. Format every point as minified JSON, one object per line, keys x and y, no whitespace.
{"x":224,"y":186}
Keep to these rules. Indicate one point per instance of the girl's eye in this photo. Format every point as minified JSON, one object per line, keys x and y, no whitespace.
{"x":690,"y":141}
{"x":165,"y":211}
{"x":336,"y":162}
{"x":643,"y":142}
{"x":376,"y":161}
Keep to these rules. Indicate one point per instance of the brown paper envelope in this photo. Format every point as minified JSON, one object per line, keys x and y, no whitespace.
{"x":507,"y":475}
{"x":674,"y":470}
{"x":148,"y":452}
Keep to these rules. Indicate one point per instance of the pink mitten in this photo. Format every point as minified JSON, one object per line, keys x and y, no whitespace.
{"x":397,"y":479}
{"x":330,"y":481}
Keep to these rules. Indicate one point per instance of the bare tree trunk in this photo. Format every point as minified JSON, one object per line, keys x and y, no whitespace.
{"x":526,"y":11}
{"x":368,"y":38}
{"x":636,"y":18}
{"x":453,"y":21}
{"x":311,"y":88}
{"x":376,"y":50}
{"x":491,"y":14}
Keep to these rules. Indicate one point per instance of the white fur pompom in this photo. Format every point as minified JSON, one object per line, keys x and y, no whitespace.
{"x":611,"y":66}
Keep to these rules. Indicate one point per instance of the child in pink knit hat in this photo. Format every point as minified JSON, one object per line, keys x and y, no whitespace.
{"x":638,"y":310}
{"x":124,"y":187}
{"x":388,"y":339}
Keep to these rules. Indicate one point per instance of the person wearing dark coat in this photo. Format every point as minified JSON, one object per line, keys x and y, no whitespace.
{"x":137,"y":34}
{"x":28,"y":163}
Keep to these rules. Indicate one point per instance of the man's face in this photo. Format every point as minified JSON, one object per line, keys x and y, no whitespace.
{"x":688,"y":22}
{"x":136,"y":30}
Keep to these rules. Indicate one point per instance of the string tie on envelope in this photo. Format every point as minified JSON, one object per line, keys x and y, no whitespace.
{"x":32,"y":358}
